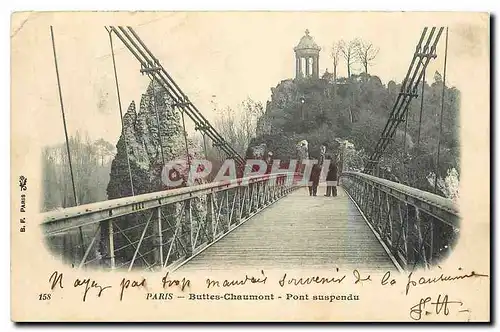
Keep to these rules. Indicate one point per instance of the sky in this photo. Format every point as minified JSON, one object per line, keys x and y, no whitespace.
{"x":213,"y":56}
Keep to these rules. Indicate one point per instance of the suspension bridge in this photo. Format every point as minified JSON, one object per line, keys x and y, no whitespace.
{"x":262,"y":220}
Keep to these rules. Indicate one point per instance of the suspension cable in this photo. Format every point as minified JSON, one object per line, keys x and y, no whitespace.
{"x":442,"y":111}
{"x":185,"y":142}
{"x":63,"y":117}
{"x":120,"y":108}
{"x":421,"y":108}
{"x":146,"y":58}
{"x":80,"y":231}
{"x":404,"y":141}
{"x":205,"y":145}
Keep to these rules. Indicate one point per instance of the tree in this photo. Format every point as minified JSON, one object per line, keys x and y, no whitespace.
{"x":90,"y":171}
{"x":366,"y":52}
{"x":238,"y":128}
{"x":251,"y":112}
{"x":438,"y":79}
{"x":335,"y":54}
{"x":348,"y":51}
{"x":104,"y":149}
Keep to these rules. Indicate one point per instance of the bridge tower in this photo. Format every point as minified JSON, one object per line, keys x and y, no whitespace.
{"x":307,"y":57}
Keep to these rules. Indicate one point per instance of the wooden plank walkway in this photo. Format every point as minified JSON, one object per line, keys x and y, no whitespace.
{"x":299,"y":231}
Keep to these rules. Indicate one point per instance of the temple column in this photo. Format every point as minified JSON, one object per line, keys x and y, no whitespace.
{"x":298,"y":70}
{"x":307,"y":66}
{"x":313,"y":66}
{"x":316,"y":66}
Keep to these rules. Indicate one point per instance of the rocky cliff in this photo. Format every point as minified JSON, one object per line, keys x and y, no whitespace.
{"x":152,"y":134}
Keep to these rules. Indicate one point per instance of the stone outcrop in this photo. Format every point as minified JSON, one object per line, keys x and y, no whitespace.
{"x":152,"y":135}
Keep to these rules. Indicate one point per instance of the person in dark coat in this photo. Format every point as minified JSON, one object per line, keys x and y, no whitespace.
{"x":315,"y":174}
{"x":331,"y":190}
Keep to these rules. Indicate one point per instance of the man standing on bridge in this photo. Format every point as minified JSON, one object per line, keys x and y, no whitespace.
{"x":315,"y":175}
{"x":331,"y":178}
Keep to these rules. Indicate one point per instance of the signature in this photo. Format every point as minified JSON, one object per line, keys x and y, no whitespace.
{"x":441,"y":306}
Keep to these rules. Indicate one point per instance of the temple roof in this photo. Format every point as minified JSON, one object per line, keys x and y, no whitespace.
{"x":307,"y":43}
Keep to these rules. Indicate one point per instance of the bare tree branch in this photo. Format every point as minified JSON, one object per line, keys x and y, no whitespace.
{"x":335,"y":54}
{"x":366,"y":52}
{"x":348,"y":51}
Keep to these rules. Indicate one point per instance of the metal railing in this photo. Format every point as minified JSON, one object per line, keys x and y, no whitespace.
{"x":162,"y":229}
{"x":416,"y":227}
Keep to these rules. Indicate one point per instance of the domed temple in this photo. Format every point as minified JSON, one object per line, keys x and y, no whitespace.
{"x":307,"y":57}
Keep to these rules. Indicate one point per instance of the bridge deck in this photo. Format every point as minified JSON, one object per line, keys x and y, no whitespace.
{"x":299,"y":231}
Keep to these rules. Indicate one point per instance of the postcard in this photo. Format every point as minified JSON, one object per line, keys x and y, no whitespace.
{"x":250,"y":166}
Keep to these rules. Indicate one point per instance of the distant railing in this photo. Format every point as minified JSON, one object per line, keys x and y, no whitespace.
{"x":162,"y":229}
{"x":418,"y":228}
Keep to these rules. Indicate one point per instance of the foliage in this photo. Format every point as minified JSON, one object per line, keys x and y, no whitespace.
{"x":91,"y":162}
{"x":238,"y":127}
{"x":357,"y":111}
{"x":449,"y":186}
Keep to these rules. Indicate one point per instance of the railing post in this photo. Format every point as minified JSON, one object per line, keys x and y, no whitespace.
{"x":261,"y":194}
{"x":187,"y":229}
{"x":421,"y":250}
{"x":111,"y":245}
{"x":210,"y":219}
{"x":275,"y":188}
{"x":431,"y":245}
{"x":390,"y":219}
{"x":251,"y":193}
{"x":158,"y":253}
{"x":266,"y":193}
{"x":237,"y":205}
{"x":412,"y":236}
{"x":65,"y":249}
{"x":227,"y":213}
{"x":104,"y":243}
{"x":243,"y":202}
{"x":233,"y":207}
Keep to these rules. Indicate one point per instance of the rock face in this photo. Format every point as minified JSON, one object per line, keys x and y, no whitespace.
{"x":273,"y":128}
{"x":284,"y":94}
{"x":146,"y":146}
